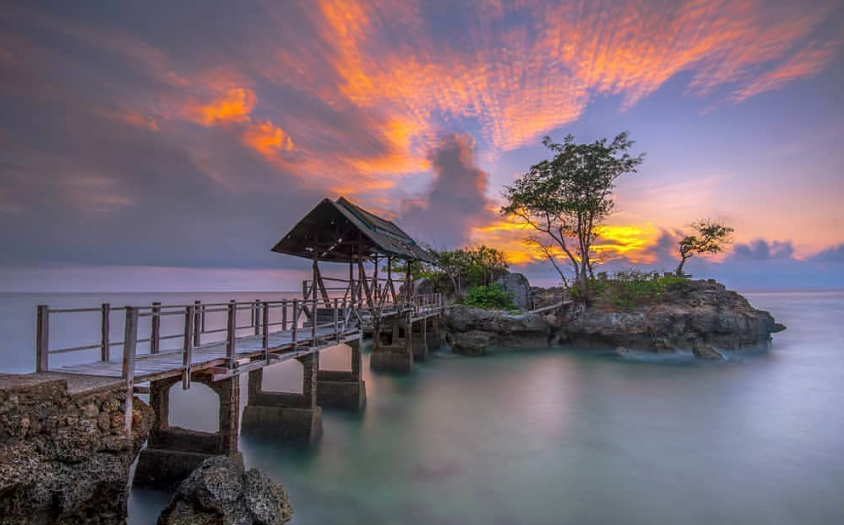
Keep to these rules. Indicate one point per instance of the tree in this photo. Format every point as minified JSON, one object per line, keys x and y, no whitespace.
{"x":567,"y":198}
{"x":470,"y":266}
{"x":711,"y":237}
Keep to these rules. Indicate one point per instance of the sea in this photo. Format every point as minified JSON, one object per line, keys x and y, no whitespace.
{"x":546,"y":436}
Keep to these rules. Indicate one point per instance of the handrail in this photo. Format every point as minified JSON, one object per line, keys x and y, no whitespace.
{"x":286,"y":313}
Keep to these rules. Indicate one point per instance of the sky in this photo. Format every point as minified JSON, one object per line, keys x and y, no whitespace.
{"x":169,"y":145}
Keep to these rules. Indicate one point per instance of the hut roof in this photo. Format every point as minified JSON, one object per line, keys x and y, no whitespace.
{"x":342,"y":231}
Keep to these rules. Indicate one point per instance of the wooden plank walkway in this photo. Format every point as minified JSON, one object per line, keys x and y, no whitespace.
{"x":152,"y":367}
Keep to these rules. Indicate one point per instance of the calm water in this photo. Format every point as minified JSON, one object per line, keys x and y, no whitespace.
{"x":552,"y":437}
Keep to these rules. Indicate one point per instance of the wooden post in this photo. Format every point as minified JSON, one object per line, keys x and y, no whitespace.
{"x":155,"y":331}
{"x":231,"y":331}
{"x":408,"y":286}
{"x":187,"y":355}
{"x":42,"y":339}
{"x":197,"y":323}
{"x":390,"y":276}
{"x":336,"y":320}
{"x":256,"y":316}
{"x":314,"y":316}
{"x":295,"y":324}
{"x":376,"y":288}
{"x":265,"y":315}
{"x":105,"y":331}
{"x":351,"y":281}
{"x":283,"y":315}
{"x":130,"y":344}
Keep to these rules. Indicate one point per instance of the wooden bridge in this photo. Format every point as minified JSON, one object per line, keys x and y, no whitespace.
{"x":215,"y":351}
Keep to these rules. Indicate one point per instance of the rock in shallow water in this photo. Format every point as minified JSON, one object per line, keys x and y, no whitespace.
{"x":219,"y":492}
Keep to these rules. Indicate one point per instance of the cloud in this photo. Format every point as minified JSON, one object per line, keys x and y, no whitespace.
{"x":456,"y":201}
{"x":762,"y":250}
{"x":152,"y":140}
{"x":834,"y":254}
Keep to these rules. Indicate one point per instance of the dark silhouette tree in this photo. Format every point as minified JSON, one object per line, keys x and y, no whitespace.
{"x":710,"y":237}
{"x":567,"y":198}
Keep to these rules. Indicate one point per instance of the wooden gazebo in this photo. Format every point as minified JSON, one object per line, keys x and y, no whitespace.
{"x":342,"y":232}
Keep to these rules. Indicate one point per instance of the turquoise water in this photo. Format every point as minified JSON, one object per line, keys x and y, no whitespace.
{"x":552,"y":437}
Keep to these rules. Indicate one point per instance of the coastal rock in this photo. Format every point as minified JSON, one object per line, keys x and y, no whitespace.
{"x":703,"y":315}
{"x":518,"y":285}
{"x":471,"y":330}
{"x":219,"y":492}
{"x":62,"y":457}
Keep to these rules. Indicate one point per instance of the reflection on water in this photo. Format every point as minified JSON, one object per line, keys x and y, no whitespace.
{"x":558,"y":437}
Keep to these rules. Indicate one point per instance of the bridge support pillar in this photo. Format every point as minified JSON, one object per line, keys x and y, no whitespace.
{"x":292,"y":417}
{"x":172,"y":453}
{"x":435,"y":335}
{"x":341,"y":389}
{"x":392,"y":347}
{"x":419,"y":343}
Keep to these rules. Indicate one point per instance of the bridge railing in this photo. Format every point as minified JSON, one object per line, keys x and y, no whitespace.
{"x":295,"y":316}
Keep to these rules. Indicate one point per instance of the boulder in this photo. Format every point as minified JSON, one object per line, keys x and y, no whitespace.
{"x":518,"y":285}
{"x":219,"y":492}
{"x":471,"y":330}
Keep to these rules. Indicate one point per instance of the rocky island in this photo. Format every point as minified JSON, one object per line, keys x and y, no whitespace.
{"x":699,"y":316}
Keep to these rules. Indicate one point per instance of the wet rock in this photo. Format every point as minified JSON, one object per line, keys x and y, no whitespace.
{"x":706,"y":352}
{"x":471,"y":330}
{"x":219,"y":492}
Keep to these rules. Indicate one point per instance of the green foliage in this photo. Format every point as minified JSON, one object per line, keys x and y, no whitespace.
{"x":710,"y":238}
{"x":565,"y":200}
{"x":469,"y":266}
{"x":631,"y":288}
{"x":491,"y":297}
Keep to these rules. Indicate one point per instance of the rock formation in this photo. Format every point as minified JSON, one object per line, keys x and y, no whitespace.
{"x":471,"y":330}
{"x":218,"y":492}
{"x":517,"y":285}
{"x":64,"y":457}
{"x":703,"y":317}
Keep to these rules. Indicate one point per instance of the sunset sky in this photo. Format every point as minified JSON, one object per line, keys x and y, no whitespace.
{"x":169,"y":145}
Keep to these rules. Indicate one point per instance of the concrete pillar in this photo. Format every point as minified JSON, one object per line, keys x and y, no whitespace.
{"x":172,"y":453}
{"x":419,"y":343}
{"x":341,"y":389}
{"x":394,"y":353}
{"x":435,"y":335}
{"x":295,"y":418}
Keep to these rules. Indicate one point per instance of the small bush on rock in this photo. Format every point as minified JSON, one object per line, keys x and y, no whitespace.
{"x":491,"y":297}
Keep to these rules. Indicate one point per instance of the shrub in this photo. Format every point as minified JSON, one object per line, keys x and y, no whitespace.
{"x":491,"y":297}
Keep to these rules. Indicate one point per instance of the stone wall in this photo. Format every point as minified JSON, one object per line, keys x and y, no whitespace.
{"x":64,"y":454}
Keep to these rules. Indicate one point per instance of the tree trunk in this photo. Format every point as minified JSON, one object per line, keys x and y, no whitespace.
{"x":680,"y":267}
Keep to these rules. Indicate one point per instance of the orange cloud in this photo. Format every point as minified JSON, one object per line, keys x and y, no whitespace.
{"x":266,"y":138}
{"x":234,"y":106}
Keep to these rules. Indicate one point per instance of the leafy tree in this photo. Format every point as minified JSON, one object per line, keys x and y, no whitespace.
{"x":470,"y":266}
{"x":711,"y":236}
{"x":567,"y":198}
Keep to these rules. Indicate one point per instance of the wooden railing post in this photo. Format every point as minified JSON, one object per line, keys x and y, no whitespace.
{"x":336,"y":319}
{"x":197,"y":323}
{"x":315,"y":320}
{"x":265,"y":318}
{"x":155,"y":330}
{"x":187,"y":348}
{"x":283,"y":315}
{"x":231,"y":332}
{"x":130,"y":344}
{"x":256,"y":316}
{"x":295,"y":325}
{"x":105,"y":331}
{"x":42,"y":339}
